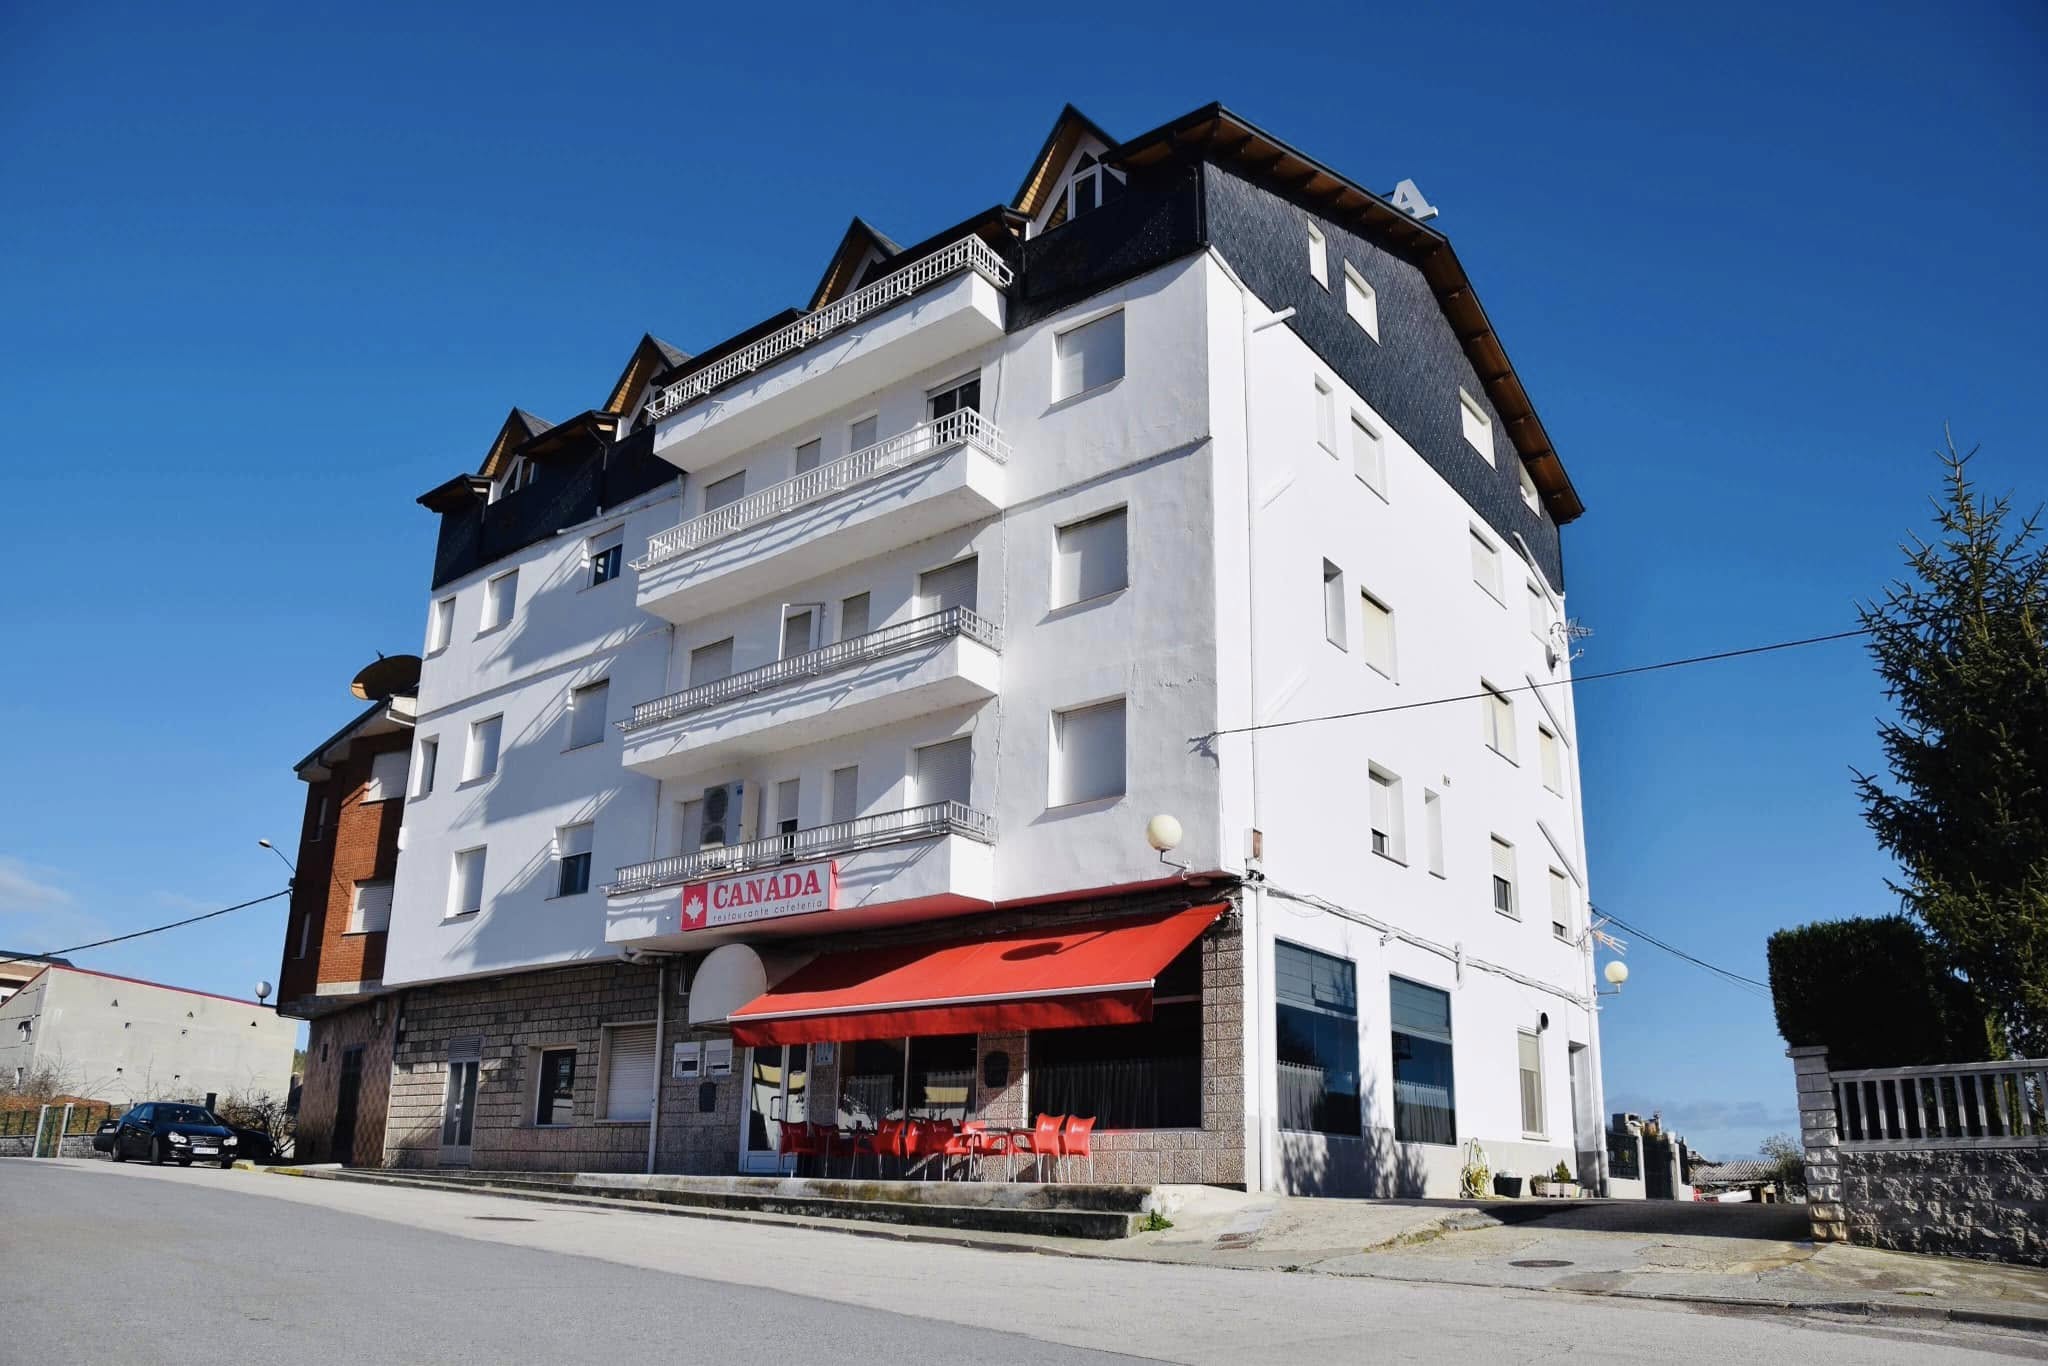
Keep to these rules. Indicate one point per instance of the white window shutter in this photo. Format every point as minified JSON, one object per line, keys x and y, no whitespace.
{"x":629,"y":1073}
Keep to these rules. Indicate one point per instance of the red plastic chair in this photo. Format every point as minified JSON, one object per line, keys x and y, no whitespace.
{"x":863,"y":1141}
{"x":1074,"y":1141}
{"x":832,"y":1144}
{"x":795,"y":1140}
{"x":975,"y":1140}
{"x":1040,"y":1140}
{"x":892,"y":1139}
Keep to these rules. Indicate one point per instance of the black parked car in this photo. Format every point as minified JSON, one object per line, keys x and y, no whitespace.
{"x":165,"y":1132}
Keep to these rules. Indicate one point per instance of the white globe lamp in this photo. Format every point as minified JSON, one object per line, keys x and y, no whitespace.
{"x":1616,"y":972}
{"x":1163,"y":832}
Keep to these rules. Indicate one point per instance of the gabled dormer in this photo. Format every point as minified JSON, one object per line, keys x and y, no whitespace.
{"x":650,"y":359}
{"x":863,"y":253}
{"x":1070,"y":175}
{"x":503,"y":467}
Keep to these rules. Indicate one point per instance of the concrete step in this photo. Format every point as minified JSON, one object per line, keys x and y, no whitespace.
{"x":1094,"y":1212}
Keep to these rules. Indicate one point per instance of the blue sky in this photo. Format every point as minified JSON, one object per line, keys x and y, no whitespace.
{"x":267,"y":274}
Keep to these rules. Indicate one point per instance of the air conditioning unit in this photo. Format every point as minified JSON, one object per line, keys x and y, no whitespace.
{"x":724,"y":815}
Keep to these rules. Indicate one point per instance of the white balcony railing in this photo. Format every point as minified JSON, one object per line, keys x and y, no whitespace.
{"x":969,"y":253}
{"x":843,"y":654}
{"x":929,"y":821}
{"x":1950,"y":1105}
{"x":963,"y":428}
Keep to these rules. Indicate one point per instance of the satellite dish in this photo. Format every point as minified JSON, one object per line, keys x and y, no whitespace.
{"x":389,"y":677}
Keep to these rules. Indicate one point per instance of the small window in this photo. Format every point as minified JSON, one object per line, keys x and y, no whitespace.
{"x":943,"y":772}
{"x":387,"y":777}
{"x":789,"y":806}
{"x":1368,"y":455}
{"x":440,"y":625}
{"x":1088,"y":753}
{"x":1529,"y":494}
{"x":572,"y":859}
{"x":709,"y":663}
{"x":1333,"y":605}
{"x":949,"y":586}
{"x":1560,"y":905}
{"x":799,"y":630}
{"x":555,"y":1098}
{"x":370,"y":913}
{"x":1476,"y":425}
{"x":1361,"y":304}
{"x":1389,"y":835}
{"x":1090,"y":356}
{"x":1498,"y":721}
{"x":586,"y":713}
{"x":425,"y":761}
{"x":1433,"y":829}
{"x":499,"y":596}
{"x":318,"y":831}
{"x":484,"y":736}
{"x":604,"y":554}
{"x":1318,"y":256}
{"x":853,"y":616}
{"x":963,"y":396}
{"x":1316,"y":1040}
{"x":629,"y":1072}
{"x":725,"y":492}
{"x":809,"y":455}
{"x":862,"y":434}
{"x":1378,"y":636}
{"x":1093,"y":559}
{"x":1091,"y":186}
{"x":1486,"y":565}
{"x":845,"y":794}
{"x":466,"y":883}
{"x":518,"y":475}
{"x":1530,"y":1048}
{"x":1425,"y":1091}
{"x":1552,"y":758}
{"x":1539,"y":613}
{"x":1326,"y":416}
{"x":1504,"y":878}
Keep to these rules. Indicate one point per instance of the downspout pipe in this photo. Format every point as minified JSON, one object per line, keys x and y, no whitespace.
{"x":660,"y":1021}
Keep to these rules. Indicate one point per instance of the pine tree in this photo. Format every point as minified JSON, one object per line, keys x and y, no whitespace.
{"x":1959,"y":644}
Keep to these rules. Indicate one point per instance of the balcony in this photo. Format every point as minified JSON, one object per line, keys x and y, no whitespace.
{"x":936,"y":307}
{"x":937,"y":476}
{"x":922,"y":863}
{"x":899,"y":672}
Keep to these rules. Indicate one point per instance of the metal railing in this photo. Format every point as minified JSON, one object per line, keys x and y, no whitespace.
{"x":969,"y":253}
{"x":935,"y":437}
{"x":844,"y":654}
{"x":1951,"y":1105}
{"x":843,"y":837}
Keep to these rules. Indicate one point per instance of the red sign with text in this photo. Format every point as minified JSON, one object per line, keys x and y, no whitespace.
{"x":767,"y":894}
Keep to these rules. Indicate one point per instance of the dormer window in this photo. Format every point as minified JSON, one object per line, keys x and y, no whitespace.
{"x":1091,"y":186}
{"x":517,"y":476}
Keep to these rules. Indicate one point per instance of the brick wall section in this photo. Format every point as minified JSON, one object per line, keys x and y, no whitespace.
{"x":1988,"y":1203}
{"x":369,"y":1026}
{"x":1820,"y":1137}
{"x":358,"y":842}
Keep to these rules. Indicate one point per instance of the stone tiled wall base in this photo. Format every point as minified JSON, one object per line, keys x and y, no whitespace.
{"x":367,"y":1025}
{"x":1986,"y":1203}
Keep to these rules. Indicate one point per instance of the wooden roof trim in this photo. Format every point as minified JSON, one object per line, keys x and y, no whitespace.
{"x":518,"y":428}
{"x":1067,"y":131}
{"x":649,"y":359}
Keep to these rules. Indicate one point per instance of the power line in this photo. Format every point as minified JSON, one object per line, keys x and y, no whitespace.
{"x":1553,"y":683}
{"x":1726,"y":974}
{"x":119,"y":938}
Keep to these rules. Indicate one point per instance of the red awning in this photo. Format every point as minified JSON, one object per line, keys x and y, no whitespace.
{"x":1097,"y":972}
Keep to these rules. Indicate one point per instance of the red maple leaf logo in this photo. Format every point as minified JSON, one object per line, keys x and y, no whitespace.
{"x":694,"y":913}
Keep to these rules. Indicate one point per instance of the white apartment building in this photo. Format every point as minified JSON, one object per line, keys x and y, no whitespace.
{"x":789,"y":728}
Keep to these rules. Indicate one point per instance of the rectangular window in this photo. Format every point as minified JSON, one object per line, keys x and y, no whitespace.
{"x":1486,"y":565}
{"x":1368,"y":455}
{"x":387,"y":777}
{"x":1318,"y":256}
{"x":853,"y":616}
{"x":1553,"y":759}
{"x":604,"y":555}
{"x":1378,"y":635}
{"x":1539,"y":613}
{"x":1360,"y":302}
{"x":440,"y":625}
{"x":1389,"y":835}
{"x":586,"y":713}
{"x":809,"y":455}
{"x":572,"y":859}
{"x":953,"y":585}
{"x":371,"y":910}
{"x":1498,"y":721}
{"x":1141,"y":1076}
{"x":1088,"y":753}
{"x":1090,"y":356}
{"x":1560,"y":905}
{"x":1425,"y":1095}
{"x":629,"y":1072}
{"x":1326,"y":416}
{"x":499,"y":596}
{"x":1530,"y":1048}
{"x":555,"y":1098}
{"x":1316,"y":1038}
{"x":845,"y":793}
{"x":466,"y":883}
{"x":861,"y":434}
{"x":709,"y":663}
{"x":318,"y":830}
{"x":429,"y":759}
{"x":1433,"y":829}
{"x":954,"y":398}
{"x":1476,"y":425}
{"x":788,"y":795}
{"x":725,"y":492}
{"x":1092,"y":558}
{"x":1504,"y":878}
{"x":1529,"y":494}
{"x":1333,"y":605}
{"x":799,"y":630}
{"x":482,"y":760}
{"x":943,"y":772}
{"x":690,"y":826}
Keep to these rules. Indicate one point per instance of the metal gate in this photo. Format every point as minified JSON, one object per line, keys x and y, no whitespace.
{"x":1657,"y":1168}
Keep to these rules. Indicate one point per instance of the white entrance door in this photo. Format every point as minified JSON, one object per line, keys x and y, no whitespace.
{"x":778,"y":1093}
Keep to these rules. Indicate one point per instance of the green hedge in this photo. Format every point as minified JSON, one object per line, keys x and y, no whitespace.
{"x":1875,"y":992}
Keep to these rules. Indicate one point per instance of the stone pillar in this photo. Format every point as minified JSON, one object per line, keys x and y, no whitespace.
{"x":1820,"y":1136}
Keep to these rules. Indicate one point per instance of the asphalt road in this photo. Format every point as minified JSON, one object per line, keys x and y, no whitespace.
{"x":119,"y":1264}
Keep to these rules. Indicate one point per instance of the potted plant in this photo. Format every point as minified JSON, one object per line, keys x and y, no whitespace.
{"x":1562,"y":1184}
{"x":1508,"y":1184}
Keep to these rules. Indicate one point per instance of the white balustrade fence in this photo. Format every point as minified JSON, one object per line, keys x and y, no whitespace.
{"x":1954,"y":1105}
{"x":842,"y":837}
